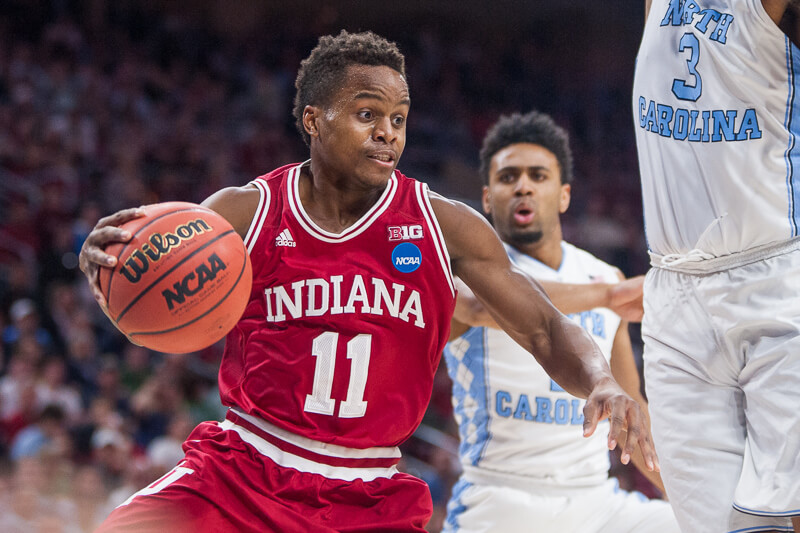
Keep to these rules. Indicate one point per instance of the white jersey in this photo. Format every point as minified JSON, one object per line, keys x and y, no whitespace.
{"x":716,"y":117}
{"x":513,"y":419}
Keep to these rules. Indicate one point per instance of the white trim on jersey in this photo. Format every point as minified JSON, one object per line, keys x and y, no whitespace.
{"x":436,"y":232}
{"x":261,"y":213}
{"x":321,"y":448}
{"x":293,"y":194}
{"x":289,"y":460}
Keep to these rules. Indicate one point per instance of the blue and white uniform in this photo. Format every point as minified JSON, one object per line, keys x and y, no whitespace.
{"x":716,"y":113}
{"x":527,"y":466}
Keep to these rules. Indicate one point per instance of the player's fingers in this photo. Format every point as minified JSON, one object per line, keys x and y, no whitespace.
{"x":634,"y":434}
{"x":121,"y":217}
{"x":92,"y":251}
{"x":593,"y":413}
{"x":617,"y":424}
{"x":647,"y":448}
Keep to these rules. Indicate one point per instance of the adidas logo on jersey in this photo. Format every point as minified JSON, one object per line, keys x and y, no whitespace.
{"x":285,"y":239}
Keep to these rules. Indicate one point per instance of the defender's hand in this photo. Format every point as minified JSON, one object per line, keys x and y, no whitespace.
{"x":625,"y":299}
{"x":608,"y":400}
{"x":93,"y":256}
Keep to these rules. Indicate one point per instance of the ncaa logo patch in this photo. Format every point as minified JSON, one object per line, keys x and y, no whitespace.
{"x":406,"y":257}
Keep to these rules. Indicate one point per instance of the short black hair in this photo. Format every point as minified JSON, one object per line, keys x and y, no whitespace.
{"x":322,"y":72}
{"x":532,"y":127}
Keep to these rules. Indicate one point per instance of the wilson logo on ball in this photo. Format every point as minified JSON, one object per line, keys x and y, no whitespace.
{"x":193,"y":282}
{"x":160,"y":244}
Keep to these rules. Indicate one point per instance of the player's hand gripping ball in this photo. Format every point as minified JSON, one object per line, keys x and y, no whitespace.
{"x":182,"y":282}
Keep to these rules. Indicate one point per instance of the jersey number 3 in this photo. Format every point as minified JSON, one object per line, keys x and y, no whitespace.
{"x":324,"y":349}
{"x":680,"y":88}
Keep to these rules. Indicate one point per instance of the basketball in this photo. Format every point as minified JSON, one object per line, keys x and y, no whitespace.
{"x":183,"y":280}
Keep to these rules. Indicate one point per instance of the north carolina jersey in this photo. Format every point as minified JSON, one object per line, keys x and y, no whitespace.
{"x":513,"y":419}
{"x":343,"y":332}
{"x":715,"y":112}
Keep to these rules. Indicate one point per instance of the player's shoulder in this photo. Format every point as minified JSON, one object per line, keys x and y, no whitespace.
{"x":587,"y":261}
{"x":278,"y":175}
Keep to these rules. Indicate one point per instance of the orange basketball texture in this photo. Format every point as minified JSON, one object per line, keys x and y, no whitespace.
{"x":182,"y":282}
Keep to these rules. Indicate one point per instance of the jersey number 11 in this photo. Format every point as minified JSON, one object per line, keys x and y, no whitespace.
{"x":324,"y":349}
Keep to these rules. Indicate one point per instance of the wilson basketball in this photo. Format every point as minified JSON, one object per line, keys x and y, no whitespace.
{"x":182,"y":282}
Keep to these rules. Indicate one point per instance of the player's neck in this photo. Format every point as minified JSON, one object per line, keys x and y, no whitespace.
{"x":547,"y":250}
{"x":332,"y":204}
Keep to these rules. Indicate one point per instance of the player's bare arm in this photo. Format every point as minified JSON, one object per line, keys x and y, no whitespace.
{"x":521,"y":307}
{"x":236,"y":204}
{"x":775,"y":9}
{"x":624,"y":298}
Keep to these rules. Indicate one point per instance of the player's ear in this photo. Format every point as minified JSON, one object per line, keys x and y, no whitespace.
{"x":566,"y":196}
{"x":310,"y":116}
{"x":485,"y":199}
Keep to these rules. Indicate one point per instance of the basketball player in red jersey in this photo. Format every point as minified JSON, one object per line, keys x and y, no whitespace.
{"x":331,"y":366}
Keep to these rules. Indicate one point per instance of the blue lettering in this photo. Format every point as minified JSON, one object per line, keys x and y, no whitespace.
{"x":723,"y":124}
{"x":582,"y":316}
{"x":501,"y":398}
{"x":642,"y":107}
{"x":650,"y":120}
{"x":708,"y":16}
{"x":749,"y":124}
{"x":689,"y":11}
{"x":695,"y":133}
{"x":561,"y":412}
{"x":673,"y":16}
{"x":664,"y":117}
{"x":681,"y":129}
{"x":710,"y":125}
{"x":524,"y":408}
{"x":720,"y":33}
{"x":598,"y":325}
{"x":577,"y":413}
{"x":543,"y":406}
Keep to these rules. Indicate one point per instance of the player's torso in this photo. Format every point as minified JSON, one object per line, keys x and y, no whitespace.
{"x":342,"y":335}
{"x":512,"y":417}
{"x":713,"y":102}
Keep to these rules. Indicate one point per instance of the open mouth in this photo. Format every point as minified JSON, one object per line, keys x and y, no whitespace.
{"x":386,"y":158}
{"x":523,"y":215}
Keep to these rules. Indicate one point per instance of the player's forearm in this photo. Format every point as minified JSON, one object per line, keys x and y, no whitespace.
{"x":570,"y":356}
{"x":566,"y":297}
{"x":576,"y":297}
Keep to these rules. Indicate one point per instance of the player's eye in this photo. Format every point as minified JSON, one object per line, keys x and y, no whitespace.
{"x":366,"y":115}
{"x":398,"y":120}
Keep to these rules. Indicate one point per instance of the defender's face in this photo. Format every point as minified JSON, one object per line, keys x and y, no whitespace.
{"x":525,"y":195}
{"x":362,"y":133}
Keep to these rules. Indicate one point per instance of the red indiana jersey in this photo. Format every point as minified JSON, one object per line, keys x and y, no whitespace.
{"x":343,"y":332}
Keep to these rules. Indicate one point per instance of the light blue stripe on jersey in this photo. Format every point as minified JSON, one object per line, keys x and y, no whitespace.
{"x":763,"y":529}
{"x":793,"y":126}
{"x":455,"y":506}
{"x":466,"y":359}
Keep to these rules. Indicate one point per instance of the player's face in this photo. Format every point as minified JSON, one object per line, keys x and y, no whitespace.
{"x":361,"y":134}
{"x":525,"y":195}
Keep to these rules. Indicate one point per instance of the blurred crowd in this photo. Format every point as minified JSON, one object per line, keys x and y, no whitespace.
{"x":105,"y":106}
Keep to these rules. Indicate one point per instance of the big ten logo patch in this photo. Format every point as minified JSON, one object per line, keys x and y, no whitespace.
{"x":406,"y":257}
{"x":405,"y":233}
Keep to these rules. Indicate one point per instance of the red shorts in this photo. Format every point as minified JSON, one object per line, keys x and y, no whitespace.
{"x":236,"y":477}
